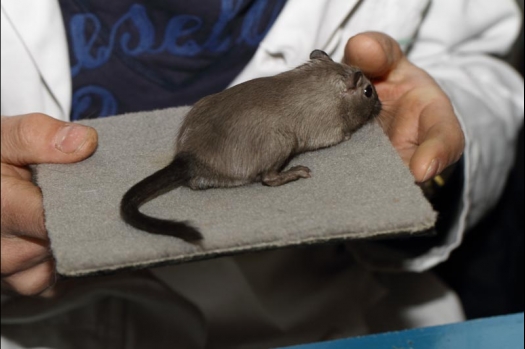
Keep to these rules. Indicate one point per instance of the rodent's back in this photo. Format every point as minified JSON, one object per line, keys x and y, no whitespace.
{"x":241,"y":128}
{"x":290,"y":100}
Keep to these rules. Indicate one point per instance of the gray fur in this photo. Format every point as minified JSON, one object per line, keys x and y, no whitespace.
{"x":249,"y":132}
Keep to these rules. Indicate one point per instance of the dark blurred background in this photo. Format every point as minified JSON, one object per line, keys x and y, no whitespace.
{"x":487,"y":270}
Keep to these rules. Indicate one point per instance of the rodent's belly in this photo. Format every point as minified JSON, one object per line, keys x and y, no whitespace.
{"x":222,"y":171}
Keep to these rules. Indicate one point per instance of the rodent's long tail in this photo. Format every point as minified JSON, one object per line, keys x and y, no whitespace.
{"x":172,"y":176}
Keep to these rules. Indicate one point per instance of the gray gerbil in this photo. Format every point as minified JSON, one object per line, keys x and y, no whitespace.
{"x":249,"y":132}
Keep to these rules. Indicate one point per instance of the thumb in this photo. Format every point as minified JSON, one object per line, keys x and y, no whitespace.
{"x":377,"y":54}
{"x":38,"y":138}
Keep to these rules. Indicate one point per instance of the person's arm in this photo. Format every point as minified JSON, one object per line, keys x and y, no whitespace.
{"x":27,"y":263}
{"x":449,"y":80}
{"x":454,"y":45}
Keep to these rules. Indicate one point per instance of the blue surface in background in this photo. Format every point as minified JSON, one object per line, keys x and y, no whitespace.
{"x":493,"y":333}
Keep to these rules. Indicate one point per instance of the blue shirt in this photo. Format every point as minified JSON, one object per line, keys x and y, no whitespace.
{"x":136,"y":55}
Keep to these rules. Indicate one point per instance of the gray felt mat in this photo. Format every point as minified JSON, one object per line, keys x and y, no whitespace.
{"x":359,"y":189}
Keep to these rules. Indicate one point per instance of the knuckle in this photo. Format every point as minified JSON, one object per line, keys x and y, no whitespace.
{"x":22,"y":211}
{"x":461,"y":137}
{"x":6,"y":216}
{"x":34,"y":281}
{"x":27,"y":130}
{"x":9,"y":217}
{"x":456,"y":143}
{"x":461,"y":147}
{"x":19,"y":254}
{"x":38,"y":118}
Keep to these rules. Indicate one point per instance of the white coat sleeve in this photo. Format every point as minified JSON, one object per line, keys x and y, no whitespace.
{"x":35,"y":62}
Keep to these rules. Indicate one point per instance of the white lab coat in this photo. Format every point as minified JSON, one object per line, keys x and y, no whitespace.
{"x":281,"y":297}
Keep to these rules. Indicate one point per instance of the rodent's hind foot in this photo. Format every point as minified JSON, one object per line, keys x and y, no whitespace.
{"x":275,"y":179}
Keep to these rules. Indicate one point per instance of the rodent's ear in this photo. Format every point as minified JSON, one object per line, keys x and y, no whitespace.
{"x":318,"y":54}
{"x":355,"y":80}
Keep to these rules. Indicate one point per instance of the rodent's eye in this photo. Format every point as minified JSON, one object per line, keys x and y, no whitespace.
{"x":369,"y":91}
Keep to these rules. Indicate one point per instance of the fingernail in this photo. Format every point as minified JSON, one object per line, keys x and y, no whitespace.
{"x":71,"y":138}
{"x":432,"y":170}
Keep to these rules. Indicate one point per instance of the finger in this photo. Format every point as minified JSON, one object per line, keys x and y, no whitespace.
{"x":441,"y":143}
{"x":38,"y":138}
{"x":19,"y":254}
{"x":377,"y":54}
{"x":16,"y":172}
{"x":22,"y":210}
{"x":33,"y":281}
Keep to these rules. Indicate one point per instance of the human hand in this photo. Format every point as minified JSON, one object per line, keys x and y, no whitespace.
{"x":27,"y":265}
{"x":417,"y":115}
